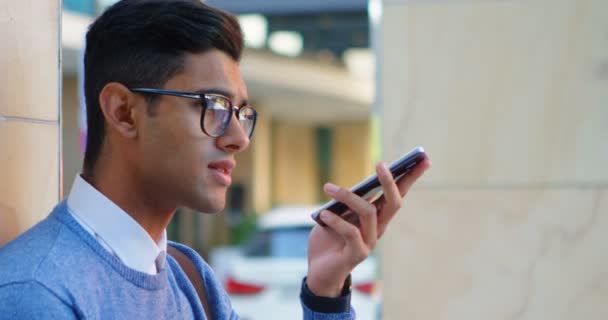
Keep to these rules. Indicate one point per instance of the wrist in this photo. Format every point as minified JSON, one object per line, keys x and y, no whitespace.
{"x":329,"y":290}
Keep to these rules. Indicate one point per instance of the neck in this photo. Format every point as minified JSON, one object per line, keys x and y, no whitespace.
{"x":125,"y":190}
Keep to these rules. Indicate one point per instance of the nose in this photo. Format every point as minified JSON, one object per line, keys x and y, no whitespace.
{"x":234,"y":139}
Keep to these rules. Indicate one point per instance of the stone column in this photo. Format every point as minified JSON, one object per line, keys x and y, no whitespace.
{"x":29,"y":114}
{"x":510,"y":99}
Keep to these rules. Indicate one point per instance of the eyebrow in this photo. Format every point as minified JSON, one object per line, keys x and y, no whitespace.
{"x":223,"y":92}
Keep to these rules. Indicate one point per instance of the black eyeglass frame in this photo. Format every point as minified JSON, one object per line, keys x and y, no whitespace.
{"x":202,"y":97}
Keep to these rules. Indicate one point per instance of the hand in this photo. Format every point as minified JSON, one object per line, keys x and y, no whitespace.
{"x":334,"y":251}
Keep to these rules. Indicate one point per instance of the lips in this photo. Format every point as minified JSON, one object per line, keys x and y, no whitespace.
{"x":224,"y":166}
{"x":221,"y":171}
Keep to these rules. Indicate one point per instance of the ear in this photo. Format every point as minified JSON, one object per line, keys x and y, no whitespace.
{"x":118,"y":106}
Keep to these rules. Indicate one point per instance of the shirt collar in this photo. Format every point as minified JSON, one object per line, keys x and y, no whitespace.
{"x":115,"y":229}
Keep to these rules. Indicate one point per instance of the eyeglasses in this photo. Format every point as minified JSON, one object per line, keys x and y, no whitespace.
{"x":217,"y":111}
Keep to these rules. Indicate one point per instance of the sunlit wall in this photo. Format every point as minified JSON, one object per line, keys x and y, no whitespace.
{"x":510,"y":100}
{"x":29,"y":114}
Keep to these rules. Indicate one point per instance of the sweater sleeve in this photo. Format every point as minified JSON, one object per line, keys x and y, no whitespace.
{"x":321,"y":308}
{"x":31,"y":300}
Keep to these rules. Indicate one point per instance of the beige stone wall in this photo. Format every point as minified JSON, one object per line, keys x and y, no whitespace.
{"x":510,"y":100}
{"x":29,"y":114}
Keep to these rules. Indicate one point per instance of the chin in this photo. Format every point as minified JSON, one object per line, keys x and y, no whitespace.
{"x":205,"y":198}
{"x":208,"y":204}
{"x":214,"y":210}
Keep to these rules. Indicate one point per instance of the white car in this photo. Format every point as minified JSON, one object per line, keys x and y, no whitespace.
{"x":263,"y":278}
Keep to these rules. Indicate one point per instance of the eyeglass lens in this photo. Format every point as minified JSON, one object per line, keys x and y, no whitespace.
{"x":218,"y":114}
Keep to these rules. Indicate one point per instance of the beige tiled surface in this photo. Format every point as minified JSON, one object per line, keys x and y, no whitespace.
{"x":509,"y":99}
{"x":499,"y":92}
{"x":29,"y":174}
{"x":29,"y":59}
{"x":498,"y":254}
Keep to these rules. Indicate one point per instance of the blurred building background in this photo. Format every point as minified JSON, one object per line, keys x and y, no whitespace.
{"x":508,"y":97}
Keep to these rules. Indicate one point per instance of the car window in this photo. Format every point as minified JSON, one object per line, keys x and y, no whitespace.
{"x":279,"y":243}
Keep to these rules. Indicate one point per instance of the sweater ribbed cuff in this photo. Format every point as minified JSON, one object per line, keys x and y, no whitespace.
{"x":339,"y":304}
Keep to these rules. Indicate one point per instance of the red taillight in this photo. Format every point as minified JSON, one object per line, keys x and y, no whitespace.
{"x":367,"y":288}
{"x":241,"y":288}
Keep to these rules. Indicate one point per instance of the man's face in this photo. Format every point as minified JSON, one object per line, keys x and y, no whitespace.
{"x":179,"y":164}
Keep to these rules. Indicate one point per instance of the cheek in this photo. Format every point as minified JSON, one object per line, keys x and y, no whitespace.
{"x":189,"y":120}
{"x":177,"y":151}
{"x":186,"y":160}
{"x":174,"y":134}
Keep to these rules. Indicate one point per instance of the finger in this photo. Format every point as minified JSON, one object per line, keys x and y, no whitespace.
{"x":355,"y":248}
{"x":365,"y":212}
{"x":384,"y":216}
{"x":391,"y":199}
{"x":404,"y":184}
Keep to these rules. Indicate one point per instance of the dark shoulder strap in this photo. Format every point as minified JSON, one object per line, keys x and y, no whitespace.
{"x":195,"y":277}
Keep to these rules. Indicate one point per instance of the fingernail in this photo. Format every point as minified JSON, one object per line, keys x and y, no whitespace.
{"x":323,"y":215}
{"x":331,"y":188}
{"x":326,"y":216}
{"x":385,"y":170}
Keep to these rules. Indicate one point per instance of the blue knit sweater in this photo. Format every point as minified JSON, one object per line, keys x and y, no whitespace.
{"x":57,"y":270}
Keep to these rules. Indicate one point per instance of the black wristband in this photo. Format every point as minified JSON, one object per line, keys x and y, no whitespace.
{"x":339,"y":304}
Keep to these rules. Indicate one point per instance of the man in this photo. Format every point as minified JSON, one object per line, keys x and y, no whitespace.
{"x":167,"y":113}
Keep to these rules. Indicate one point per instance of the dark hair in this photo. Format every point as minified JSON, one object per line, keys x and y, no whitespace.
{"x":143,"y":43}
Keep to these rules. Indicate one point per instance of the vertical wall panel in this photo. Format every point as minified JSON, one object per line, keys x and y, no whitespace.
{"x":29,"y":113}
{"x":509,"y":99}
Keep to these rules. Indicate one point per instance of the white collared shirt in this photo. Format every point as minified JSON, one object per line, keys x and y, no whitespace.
{"x":116,"y":230}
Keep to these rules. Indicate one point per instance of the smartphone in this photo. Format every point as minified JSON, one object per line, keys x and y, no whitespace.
{"x":371,"y":186}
